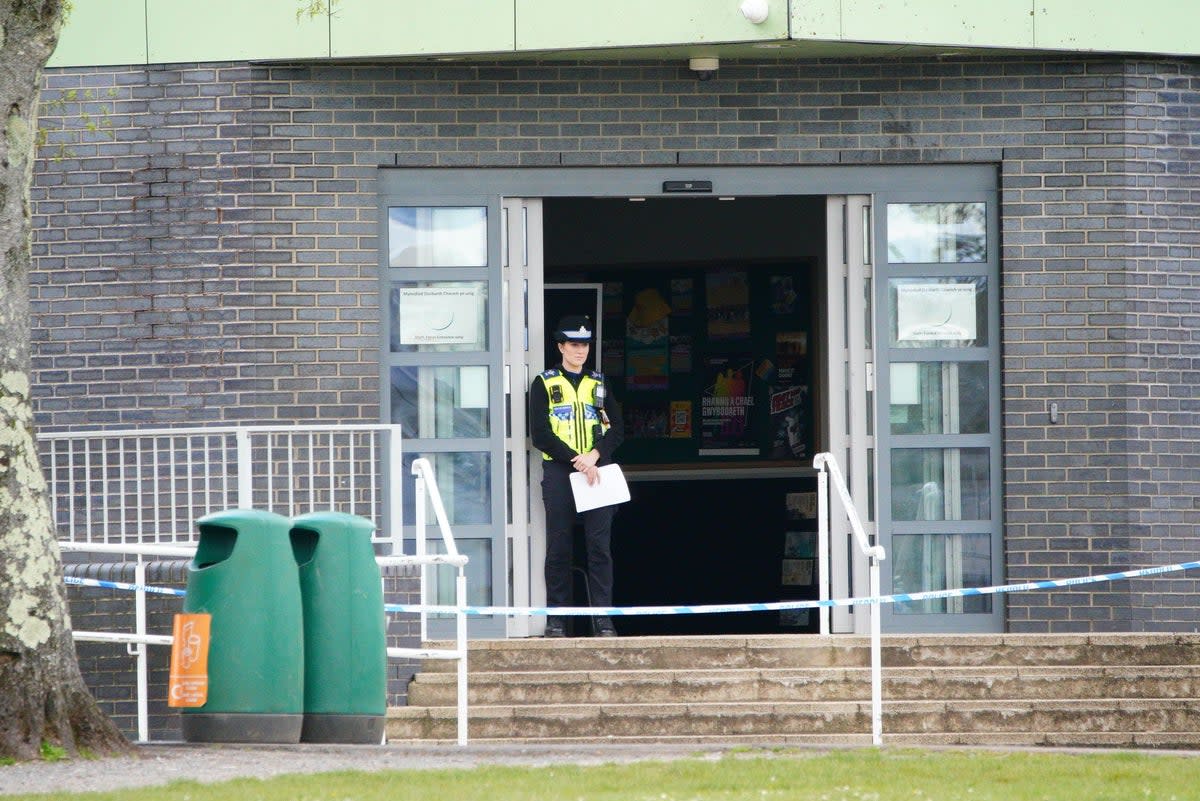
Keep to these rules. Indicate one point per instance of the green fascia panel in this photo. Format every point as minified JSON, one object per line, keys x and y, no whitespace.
{"x":576,"y":24}
{"x":965,"y":23}
{"x":1147,"y":26}
{"x":363,"y":28}
{"x":233,"y":30}
{"x":102,"y":32}
{"x":816,"y":19}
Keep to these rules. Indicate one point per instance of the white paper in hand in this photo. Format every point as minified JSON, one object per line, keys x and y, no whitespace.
{"x":609,"y":490}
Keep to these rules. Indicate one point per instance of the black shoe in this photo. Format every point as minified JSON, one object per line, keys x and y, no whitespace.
{"x":555,"y":627}
{"x":605,"y":628}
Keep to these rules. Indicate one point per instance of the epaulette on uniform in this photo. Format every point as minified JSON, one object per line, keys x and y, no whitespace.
{"x":551,"y":373}
{"x":596,"y":374}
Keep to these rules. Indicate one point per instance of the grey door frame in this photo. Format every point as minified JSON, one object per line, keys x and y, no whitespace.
{"x":417,"y":186}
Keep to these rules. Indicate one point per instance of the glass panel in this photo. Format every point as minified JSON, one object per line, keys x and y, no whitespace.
{"x":938,"y":312}
{"x":941,"y":484}
{"x":866,"y":232}
{"x":437,"y":236}
{"x":428,"y":316}
{"x":432,"y":402}
{"x":869,"y":312}
{"x":931,"y":562}
{"x":442,"y":577}
{"x":939,"y":398}
{"x":940,"y":233}
{"x":465,"y":482}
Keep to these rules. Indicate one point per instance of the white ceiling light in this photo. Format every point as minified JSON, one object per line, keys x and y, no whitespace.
{"x":756,"y":11}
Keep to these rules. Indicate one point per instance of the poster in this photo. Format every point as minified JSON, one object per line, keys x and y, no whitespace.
{"x":681,"y":420}
{"x":728,"y":297}
{"x":783,"y":294}
{"x":797,"y":572}
{"x":788,"y":397}
{"x":647,"y":343}
{"x":789,"y":430}
{"x":801,"y":505}
{"x":726,"y":408}
{"x":800,"y":544}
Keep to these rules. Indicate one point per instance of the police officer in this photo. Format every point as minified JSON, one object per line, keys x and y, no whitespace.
{"x":576,"y":425}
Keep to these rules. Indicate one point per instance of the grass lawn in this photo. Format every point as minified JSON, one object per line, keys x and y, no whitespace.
{"x":857,"y":775}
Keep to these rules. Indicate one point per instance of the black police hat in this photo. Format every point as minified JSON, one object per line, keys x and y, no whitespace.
{"x":573,"y":328}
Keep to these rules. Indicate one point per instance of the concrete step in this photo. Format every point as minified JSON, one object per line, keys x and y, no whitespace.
{"x":1131,"y":690}
{"x":807,"y":684}
{"x":777,"y":651}
{"x":1081,"y":720}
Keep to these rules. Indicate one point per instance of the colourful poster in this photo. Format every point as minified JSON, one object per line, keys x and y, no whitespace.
{"x":681,"y":419}
{"x":647,"y":343}
{"x":727,"y":294}
{"x":726,"y":409}
{"x":789,"y":438}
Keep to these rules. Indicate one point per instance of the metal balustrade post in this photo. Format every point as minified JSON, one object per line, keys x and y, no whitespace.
{"x":823,"y":614}
{"x":245,"y":468}
{"x":876,"y":659}
{"x":140,"y":651}
{"x":460,"y":594}
{"x":419,"y":523}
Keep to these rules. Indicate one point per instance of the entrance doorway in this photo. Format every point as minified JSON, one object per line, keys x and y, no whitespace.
{"x":710,"y":337}
{"x":895,"y":272}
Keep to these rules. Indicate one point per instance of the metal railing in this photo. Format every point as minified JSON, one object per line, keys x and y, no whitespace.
{"x":149,"y":486}
{"x":426,"y":484}
{"x":827,"y":468}
{"x":123,"y":492}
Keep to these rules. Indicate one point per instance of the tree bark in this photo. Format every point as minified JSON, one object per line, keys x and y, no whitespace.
{"x":42,"y":695}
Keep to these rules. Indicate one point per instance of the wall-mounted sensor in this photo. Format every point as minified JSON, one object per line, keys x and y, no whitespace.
{"x":704,"y":68}
{"x":1054,"y":412}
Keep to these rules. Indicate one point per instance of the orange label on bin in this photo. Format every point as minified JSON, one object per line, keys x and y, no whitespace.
{"x":188,"y":685}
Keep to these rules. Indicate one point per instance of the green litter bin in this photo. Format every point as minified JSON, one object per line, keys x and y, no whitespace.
{"x":244,"y":575}
{"x":345,"y":630}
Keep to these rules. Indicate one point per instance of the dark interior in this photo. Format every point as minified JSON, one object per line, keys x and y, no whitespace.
{"x":720,"y":513}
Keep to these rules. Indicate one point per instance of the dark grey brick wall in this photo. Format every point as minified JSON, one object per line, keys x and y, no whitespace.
{"x":214,"y":258}
{"x":111,"y":673}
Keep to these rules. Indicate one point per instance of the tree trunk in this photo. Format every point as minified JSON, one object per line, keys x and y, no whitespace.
{"x":42,"y":695}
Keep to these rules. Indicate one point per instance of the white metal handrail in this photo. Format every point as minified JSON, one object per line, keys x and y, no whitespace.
{"x":150,"y":484}
{"x":827,"y":468}
{"x":426,"y":484}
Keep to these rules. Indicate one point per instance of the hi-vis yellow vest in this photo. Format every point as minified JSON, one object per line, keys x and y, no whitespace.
{"x":573,"y":413}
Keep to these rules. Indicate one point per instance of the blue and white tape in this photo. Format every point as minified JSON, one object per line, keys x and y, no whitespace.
{"x":121,"y":585}
{"x":708,"y":609}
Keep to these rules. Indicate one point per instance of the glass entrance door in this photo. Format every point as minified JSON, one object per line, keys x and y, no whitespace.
{"x":940,"y":482}
{"x":441,"y":361}
{"x":849,"y":406}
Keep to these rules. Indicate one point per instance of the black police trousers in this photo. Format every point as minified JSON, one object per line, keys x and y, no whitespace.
{"x":560,"y":540}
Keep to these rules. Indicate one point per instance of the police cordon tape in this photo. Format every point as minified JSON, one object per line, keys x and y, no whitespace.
{"x":121,"y":585}
{"x":707,"y":609}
